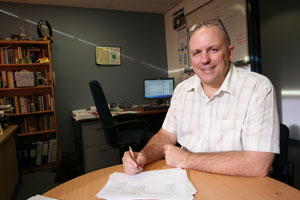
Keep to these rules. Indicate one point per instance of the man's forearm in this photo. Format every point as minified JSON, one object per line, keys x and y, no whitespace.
{"x":246,"y":163}
{"x":154,"y":149}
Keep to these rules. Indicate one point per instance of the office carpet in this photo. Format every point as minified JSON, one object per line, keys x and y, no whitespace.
{"x":41,"y":181}
{"x":35,"y":183}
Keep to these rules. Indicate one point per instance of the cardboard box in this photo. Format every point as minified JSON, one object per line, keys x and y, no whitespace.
{"x":24,"y":79}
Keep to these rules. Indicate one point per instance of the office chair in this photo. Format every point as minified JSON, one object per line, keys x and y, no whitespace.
{"x":119,"y":134}
{"x":283,"y":170}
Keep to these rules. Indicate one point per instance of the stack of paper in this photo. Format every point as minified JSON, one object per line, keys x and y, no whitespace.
{"x":83,"y":114}
{"x":168,"y":184}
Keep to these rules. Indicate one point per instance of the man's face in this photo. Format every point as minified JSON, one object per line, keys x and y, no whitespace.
{"x":210,"y":55}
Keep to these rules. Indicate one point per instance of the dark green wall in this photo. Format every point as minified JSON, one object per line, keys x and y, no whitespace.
{"x":76,"y":31}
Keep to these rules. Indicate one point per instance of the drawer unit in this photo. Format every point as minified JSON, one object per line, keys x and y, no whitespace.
{"x":96,"y":152}
{"x":92,"y":134}
{"x":100,"y":156}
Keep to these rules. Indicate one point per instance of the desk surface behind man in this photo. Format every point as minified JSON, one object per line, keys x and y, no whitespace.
{"x":209,"y":186}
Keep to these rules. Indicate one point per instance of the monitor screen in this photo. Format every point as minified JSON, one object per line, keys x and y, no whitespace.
{"x":158,"y":88}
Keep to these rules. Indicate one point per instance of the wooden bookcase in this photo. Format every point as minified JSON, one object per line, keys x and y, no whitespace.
{"x":27,"y":84}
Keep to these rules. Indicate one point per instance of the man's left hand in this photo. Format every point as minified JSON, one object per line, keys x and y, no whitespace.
{"x":175,"y":156}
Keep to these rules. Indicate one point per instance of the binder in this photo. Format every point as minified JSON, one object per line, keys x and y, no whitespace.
{"x":54,"y":151}
{"x":52,"y":156}
{"x":45,"y":151}
{"x":32,"y":154}
{"x":39,"y":151}
{"x":49,"y":159}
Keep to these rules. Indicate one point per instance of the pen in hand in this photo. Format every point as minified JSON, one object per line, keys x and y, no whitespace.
{"x":132,"y":157}
{"x":131,"y":154}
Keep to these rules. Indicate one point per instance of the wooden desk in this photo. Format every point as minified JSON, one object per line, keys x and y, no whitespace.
{"x":209,"y":186}
{"x":9,"y":172}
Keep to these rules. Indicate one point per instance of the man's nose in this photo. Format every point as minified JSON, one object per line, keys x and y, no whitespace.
{"x":205,"y":58}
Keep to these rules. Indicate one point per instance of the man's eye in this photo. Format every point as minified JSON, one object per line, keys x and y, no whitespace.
{"x":196,"y":53}
{"x":213,"y":49}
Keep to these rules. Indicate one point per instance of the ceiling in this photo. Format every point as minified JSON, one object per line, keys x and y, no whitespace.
{"x":149,"y":6}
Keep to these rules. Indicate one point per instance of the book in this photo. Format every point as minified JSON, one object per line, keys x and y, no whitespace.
{"x":50,"y":151}
{"x":39,"y":151}
{"x":32,"y":154}
{"x":45,"y":151}
{"x":10,"y":80}
{"x":4,"y":79}
{"x":54,"y":150}
{"x":23,"y":154}
{"x":47,"y":122}
{"x":17,"y":105}
{"x":41,"y":124}
{"x":19,"y":56}
{"x":22,"y":104}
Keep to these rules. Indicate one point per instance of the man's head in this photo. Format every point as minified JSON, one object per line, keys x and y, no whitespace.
{"x":210,"y":53}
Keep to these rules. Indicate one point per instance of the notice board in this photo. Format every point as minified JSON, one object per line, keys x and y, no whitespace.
{"x":234,"y":16}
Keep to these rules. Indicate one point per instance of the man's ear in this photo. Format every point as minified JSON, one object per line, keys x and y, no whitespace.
{"x":231,"y":52}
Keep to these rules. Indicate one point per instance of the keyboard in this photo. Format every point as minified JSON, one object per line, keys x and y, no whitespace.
{"x":156,"y":107}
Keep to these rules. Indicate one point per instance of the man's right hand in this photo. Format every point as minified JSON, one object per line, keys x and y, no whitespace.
{"x":131,"y":166}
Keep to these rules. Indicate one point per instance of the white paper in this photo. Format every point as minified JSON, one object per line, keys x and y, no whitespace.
{"x":40,"y":197}
{"x":165,"y":184}
{"x":115,"y":113}
{"x":83,"y":114}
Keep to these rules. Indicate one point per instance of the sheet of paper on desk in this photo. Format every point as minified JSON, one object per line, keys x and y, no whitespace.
{"x":40,"y":197}
{"x":167,"y":184}
{"x":114,"y":113}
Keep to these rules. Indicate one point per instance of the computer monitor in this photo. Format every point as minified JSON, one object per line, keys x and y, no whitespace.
{"x":158,"y":89}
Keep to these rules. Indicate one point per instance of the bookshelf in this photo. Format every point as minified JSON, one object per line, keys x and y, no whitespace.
{"x":26,"y":83}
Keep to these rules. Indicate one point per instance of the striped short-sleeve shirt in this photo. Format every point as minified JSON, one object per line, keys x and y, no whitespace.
{"x":240,"y":116}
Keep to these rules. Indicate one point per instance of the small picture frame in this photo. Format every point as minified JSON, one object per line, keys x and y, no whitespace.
{"x":108,"y":56}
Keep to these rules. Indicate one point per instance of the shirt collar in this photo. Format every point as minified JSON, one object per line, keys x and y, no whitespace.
{"x":230,"y":79}
{"x":195,"y":84}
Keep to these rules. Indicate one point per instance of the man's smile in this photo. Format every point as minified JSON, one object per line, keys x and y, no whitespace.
{"x":208,"y":69}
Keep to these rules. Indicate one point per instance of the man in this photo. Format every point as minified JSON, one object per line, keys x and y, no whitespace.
{"x":224,"y":118}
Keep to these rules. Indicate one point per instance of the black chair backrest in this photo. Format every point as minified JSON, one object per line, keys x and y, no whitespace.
{"x":102,"y":108}
{"x":280,"y":163}
{"x":284,"y":141}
